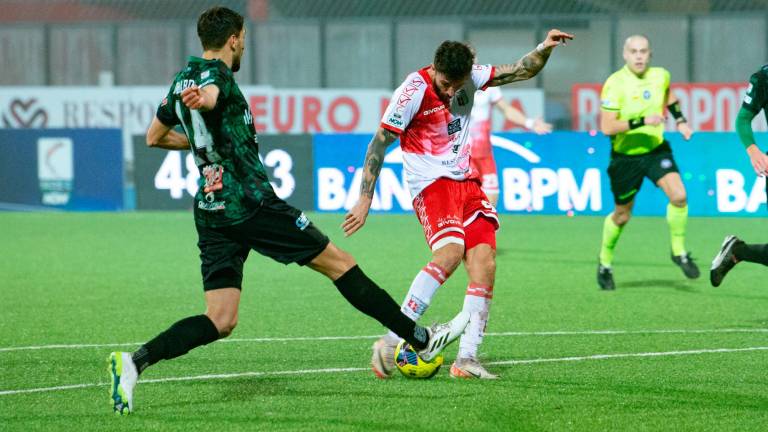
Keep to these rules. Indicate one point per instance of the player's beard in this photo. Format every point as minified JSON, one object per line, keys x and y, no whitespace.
{"x":235,"y":64}
{"x":440,"y":94}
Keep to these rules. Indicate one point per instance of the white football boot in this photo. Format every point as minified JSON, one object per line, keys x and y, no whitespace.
{"x":469,"y":367}
{"x":383,"y":358}
{"x":441,"y":335}
{"x":124,"y":376}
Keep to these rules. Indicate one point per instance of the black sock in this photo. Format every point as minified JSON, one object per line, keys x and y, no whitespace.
{"x":368,"y":298}
{"x":756,"y":253}
{"x":182,"y":336}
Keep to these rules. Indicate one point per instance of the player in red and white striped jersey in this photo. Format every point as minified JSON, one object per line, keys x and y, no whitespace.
{"x":430,"y":113}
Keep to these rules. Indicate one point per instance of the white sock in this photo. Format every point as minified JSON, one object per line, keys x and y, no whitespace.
{"x":419,"y":296}
{"x":477,"y":302}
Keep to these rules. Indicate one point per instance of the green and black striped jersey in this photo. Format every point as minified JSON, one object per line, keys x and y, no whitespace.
{"x":224,"y":143}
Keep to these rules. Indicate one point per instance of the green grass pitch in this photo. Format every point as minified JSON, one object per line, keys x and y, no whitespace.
{"x":684,"y":355}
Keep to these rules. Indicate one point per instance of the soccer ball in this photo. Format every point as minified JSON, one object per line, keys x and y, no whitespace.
{"x":412,"y":366}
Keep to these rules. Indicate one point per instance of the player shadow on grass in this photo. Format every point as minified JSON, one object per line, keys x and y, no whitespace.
{"x":680,"y":285}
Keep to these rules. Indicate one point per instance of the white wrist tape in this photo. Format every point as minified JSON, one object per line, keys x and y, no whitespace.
{"x":529,"y":123}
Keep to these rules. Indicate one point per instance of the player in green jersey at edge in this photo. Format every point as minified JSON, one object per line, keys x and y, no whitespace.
{"x":733,"y":249}
{"x":236,"y":211}
{"x":633,"y":101}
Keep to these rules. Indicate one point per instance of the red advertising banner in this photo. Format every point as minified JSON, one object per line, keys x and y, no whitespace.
{"x":709,"y":107}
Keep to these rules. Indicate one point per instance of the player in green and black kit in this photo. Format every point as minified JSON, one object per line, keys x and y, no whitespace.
{"x":733,"y":249}
{"x":633,"y":101}
{"x":236,"y":211}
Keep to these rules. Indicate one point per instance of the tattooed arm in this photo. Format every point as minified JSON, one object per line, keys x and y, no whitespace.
{"x":374,"y":158}
{"x":531,"y":63}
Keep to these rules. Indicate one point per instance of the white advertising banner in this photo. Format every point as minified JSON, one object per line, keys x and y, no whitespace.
{"x":275,"y":111}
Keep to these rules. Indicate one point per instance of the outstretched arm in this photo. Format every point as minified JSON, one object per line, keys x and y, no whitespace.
{"x":374,"y":158}
{"x":530,"y":64}
{"x":517,"y":117}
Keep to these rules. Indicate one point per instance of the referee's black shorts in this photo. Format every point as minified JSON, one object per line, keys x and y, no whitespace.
{"x":627,"y":172}
{"x":277,"y":230}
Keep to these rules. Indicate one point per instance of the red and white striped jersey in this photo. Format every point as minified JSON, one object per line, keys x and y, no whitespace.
{"x":480,"y":125}
{"x":434,"y":137}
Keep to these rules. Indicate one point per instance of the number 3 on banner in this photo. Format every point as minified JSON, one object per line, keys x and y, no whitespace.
{"x":282,"y":163}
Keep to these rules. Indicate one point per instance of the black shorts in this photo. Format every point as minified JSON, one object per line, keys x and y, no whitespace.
{"x":277,"y":230}
{"x":627,"y":172}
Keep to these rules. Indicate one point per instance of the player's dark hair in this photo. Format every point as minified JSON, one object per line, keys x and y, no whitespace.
{"x":454,"y":59}
{"x":216,"y":25}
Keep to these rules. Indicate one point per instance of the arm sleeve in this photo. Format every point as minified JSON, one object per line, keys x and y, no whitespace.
{"x":217,"y":76}
{"x":610,"y":97}
{"x":494,"y":94}
{"x":404,"y":104}
{"x":755,"y":99}
{"x":744,"y":126}
{"x":482,"y":74}
{"x":165,"y":112}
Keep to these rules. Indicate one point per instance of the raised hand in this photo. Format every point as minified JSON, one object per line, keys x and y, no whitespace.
{"x":556,"y":37}
{"x":192,"y":97}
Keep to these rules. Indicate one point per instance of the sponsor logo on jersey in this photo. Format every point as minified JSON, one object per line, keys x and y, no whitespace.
{"x":395,"y":122}
{"x":647,"y":94}
{"x":213,"y":206}
{"x":247,"y":116}
{"x":433,"y":110}
{"x":454,"y":126}
{"x":666,"y":163}
{"x":407,"y":94}
{"x":205,"y":74}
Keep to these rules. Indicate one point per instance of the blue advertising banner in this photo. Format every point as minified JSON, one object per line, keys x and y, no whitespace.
{"x":559,"y":173}
{"x":66,"y":169}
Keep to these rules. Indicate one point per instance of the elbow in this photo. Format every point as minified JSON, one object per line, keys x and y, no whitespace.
{"x":152,"y":141}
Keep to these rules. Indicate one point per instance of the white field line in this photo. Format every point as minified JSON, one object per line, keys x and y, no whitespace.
{"x":212,"y":377}
{"x":336,"y":338}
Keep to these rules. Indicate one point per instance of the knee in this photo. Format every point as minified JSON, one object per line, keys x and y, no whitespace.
{"x":225,"y":322}
{"x":621,"y":218}
{"x":449,"y":257}
{"x":489,"y":265}
{"x":678,"y":199}
{"x":343,"y":260}
{"x":481,"y":264}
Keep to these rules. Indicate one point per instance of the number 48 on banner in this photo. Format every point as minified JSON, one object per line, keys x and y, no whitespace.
{"x":170,"y":176}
